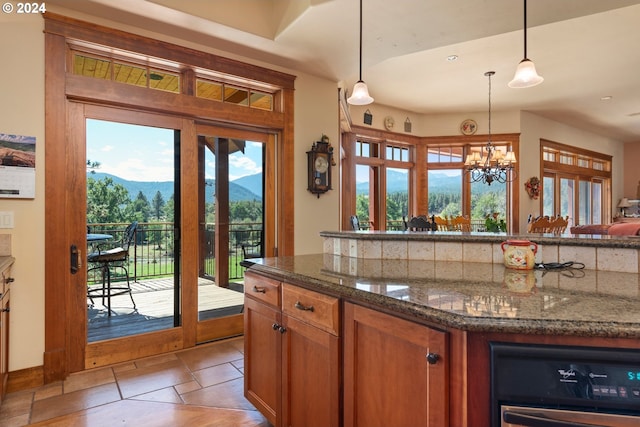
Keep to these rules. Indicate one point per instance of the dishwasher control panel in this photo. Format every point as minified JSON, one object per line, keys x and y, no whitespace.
{"x":585,"y":378}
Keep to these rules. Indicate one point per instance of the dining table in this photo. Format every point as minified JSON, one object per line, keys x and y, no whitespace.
{"x":98,"y":237}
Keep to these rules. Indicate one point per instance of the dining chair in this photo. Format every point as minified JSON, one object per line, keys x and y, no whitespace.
{"x":546,"y":224}
{"x":441,"y":223}
{"x":106,"y":260}
{"x":418,"y":223}
{"x":460,"y":223}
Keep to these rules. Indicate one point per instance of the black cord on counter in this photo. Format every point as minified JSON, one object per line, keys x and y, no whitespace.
{"x":559,"y":265}
{"x":568,"y":269}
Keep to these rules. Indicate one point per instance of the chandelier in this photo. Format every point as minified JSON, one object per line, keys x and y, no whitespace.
{"x":490,"y":165}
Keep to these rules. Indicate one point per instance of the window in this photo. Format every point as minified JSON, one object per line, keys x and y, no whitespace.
{"x":129,"y":72}
{"x":576,"y":183}
{"x":421,"y":176}
{"x":382,"y":183}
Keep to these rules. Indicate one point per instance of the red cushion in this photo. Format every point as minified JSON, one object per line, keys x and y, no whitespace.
{"x":624,"y":229}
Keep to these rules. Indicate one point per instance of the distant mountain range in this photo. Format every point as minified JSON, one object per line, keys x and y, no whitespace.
{"x":245,"y":188}
{"x":441,"y":182}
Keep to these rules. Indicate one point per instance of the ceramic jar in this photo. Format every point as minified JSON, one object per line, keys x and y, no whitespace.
{"x":519,"y":254}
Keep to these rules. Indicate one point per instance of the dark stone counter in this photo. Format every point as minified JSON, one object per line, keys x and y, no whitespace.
{"x":481,"y":297}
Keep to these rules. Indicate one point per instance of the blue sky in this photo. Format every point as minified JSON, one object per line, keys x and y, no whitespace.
{"x":142,"y":153}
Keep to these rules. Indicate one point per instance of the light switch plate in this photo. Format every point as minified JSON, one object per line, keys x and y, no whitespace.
{"x":6,"y":219}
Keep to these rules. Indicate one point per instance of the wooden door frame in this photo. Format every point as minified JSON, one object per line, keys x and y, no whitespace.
{"x":61,"y":88}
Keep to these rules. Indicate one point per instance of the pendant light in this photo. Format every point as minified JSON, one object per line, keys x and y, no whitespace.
{"x":526,"y":75}
{"x":360,"y":95}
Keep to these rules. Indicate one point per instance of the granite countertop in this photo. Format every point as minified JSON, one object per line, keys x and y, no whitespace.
{"x":475,"y":296}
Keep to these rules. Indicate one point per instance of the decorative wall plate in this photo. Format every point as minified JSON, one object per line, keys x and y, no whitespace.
{"x":468,"y":127}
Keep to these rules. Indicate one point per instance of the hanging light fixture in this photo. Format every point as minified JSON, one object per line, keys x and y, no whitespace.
{"x":526,"y":75}
{"x":492,"y":165}
{"x":360,"y":95}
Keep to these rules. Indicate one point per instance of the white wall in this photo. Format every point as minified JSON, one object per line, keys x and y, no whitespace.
{"x":316,"y":114}
{"x":22,"y":113}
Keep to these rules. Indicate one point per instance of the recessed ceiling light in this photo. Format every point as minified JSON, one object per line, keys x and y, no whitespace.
{"x":606,"y":98}
{"x":452,"y":57}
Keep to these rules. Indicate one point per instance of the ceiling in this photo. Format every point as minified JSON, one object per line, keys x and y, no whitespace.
{"x":585,"y":49}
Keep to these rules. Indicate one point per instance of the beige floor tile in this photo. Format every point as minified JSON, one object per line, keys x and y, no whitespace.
{"x":87,"y":379}
{"x":168,"y":395}
{"x":49,"y":390}
{"x":209,"y":376}
{"x":153,"y":377}
{"x":211,"y":355}
{"x":15,"y":404}
{"x":187,"y":387}
{"x":75,"y":401}
{"x":217,"y":374}
{"x":226,"y":395}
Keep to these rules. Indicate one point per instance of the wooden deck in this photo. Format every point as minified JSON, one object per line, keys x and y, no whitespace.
{"x":154,"y":308}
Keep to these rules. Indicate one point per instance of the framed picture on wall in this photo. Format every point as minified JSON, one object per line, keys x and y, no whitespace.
{"x":17,"y":166}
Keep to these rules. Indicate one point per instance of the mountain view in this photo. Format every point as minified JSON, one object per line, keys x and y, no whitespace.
{"x":245,"y":188}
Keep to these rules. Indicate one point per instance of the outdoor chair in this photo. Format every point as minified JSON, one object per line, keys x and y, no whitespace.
{"x":441,"y":223}
{"x":105,"y":261}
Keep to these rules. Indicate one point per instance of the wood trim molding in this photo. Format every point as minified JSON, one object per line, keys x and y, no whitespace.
{"x":87,"y":32}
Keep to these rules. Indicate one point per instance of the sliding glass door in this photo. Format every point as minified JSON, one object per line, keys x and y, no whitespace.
{"x":131,"y":180}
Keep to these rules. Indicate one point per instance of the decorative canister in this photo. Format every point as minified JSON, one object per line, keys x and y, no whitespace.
{"x":519,"y":254}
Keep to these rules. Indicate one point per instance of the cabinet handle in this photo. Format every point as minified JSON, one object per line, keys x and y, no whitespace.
{"x":432,"y":358}
{"x":5,"y":310}
{"x":259,"y":290}
{"x":8,"y":280}
{"x":299,"y":306}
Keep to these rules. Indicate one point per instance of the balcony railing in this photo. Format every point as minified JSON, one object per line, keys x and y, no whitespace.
{"x":152,"y":251}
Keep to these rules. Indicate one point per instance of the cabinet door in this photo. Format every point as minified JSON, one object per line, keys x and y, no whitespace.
{"x":388,"y":378}
{"x":262,"y":350}
{"x":311,"y":376}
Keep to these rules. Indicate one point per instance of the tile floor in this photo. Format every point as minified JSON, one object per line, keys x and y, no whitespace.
{"x":202,"y":386}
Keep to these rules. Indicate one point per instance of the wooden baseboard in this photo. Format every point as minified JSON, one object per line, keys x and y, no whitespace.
{"x":25,"y":379}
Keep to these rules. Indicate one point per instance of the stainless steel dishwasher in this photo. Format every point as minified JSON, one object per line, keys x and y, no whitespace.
{"x":564,"y":386}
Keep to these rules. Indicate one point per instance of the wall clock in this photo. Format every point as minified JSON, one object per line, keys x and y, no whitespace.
{"x":319,"y":160}
{"x":468,"y":127}
{"x":389,"y":123}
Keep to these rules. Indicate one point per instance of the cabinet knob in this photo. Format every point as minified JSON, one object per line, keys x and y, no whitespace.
{"x":432,"y":358}
{"x":275,"y":326}
{"x":5,"y":310}
{"x":9,"y":280}
{"x":282,"y":329}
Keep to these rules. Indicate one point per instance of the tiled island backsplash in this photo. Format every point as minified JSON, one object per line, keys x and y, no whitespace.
{"x":606,"y":254}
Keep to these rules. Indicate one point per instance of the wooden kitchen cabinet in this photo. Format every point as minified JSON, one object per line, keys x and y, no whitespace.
{"x":292,"y":354}
{"x":262,"y":346}
{"x":395,"y":371}
{"x":4,"y":330}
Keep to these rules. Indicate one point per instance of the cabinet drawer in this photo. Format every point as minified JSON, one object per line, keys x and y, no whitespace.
{"x":311,"y":307}
{"x":263,"y":289}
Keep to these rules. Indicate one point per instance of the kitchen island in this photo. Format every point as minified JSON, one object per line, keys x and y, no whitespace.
{"x":421,"y":329}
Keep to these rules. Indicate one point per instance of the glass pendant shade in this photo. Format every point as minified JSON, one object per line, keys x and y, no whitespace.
{"x":526,"y":75}
{"x":360,"y":95}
